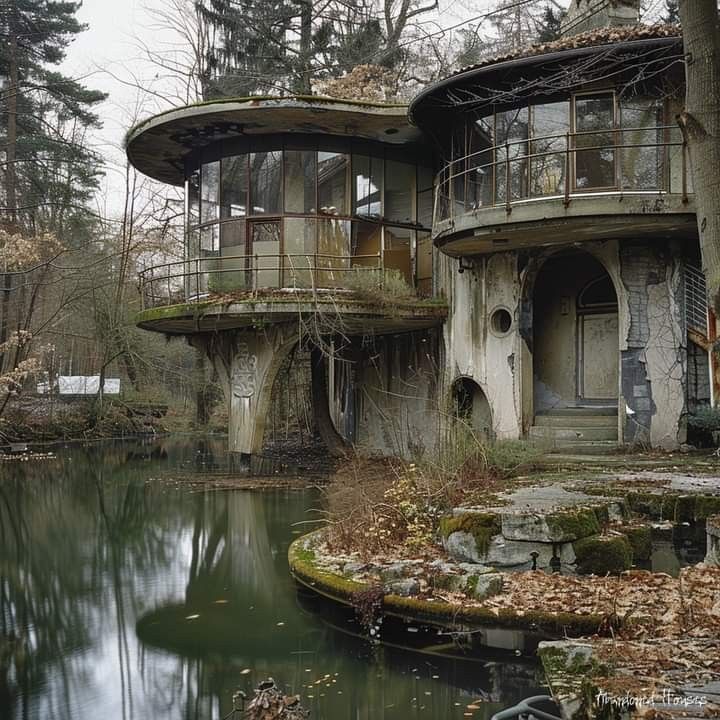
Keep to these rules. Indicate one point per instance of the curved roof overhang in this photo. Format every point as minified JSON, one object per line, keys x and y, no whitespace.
{"x":159,"y":146}
{"x":515,"y":80}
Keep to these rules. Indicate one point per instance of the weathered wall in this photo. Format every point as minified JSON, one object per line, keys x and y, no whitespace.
{"x":386,"y":395}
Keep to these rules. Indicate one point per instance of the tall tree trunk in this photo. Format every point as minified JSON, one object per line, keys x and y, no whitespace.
{"x":336,"y":445}
{"x":700,"y":123}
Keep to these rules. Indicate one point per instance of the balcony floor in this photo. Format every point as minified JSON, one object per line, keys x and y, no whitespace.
{"x":548,"y":221}
{"x":346,"y":313}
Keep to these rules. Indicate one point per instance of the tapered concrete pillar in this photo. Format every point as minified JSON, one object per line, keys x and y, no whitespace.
{"x":247,"y":363}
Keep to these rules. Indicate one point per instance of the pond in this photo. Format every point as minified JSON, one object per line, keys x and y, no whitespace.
{"x":124,"y":595}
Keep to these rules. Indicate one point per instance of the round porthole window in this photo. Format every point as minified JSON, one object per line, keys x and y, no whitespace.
{"x":501,"y":321}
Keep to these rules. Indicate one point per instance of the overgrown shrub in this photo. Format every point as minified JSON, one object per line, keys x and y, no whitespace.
{"x":701,"y":426}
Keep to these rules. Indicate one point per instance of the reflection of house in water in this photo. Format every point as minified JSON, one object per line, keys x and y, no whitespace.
{"x":558,"y":237}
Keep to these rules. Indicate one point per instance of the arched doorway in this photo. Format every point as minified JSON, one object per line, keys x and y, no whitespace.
{"x":471,"y":407}
{"x":575,"y":334}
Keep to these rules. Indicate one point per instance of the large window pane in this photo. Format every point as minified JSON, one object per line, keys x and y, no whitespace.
{"x":641,"y":163}
{"x":399,"y":192}
{"x":549,"y":127}
{"x":234,"y":186}
{"x":333,"y":258}
{"x":397,"y":256}
{"x":265,"y":245}
{"x":367,"y":186}
{"x":333,"y":177}
{"x":299,"y":252}
{"x":594,"y":122}
{"x":457,"y":169}
{"x":266,"y":182}
{"x":209,"y":191}
{"x":192,"y":188}
{"x":424,"y":197}
{"x":300,"y":176}
{"x":424,"y":264}
{"x":479,"y":164}
{"x":511,"y":133}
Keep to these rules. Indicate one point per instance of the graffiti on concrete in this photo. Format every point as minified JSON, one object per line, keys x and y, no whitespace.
{"x":244,"y":373}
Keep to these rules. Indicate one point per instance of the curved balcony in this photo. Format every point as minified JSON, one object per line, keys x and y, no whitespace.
{"x":569,"y":187}
{"x":235,"y":291}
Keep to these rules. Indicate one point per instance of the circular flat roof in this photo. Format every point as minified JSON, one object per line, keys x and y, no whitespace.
{"x":159,"y":145}
{"x":508,"y":79}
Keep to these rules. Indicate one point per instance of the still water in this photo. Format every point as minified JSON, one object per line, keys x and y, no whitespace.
{"x":126,"y":596}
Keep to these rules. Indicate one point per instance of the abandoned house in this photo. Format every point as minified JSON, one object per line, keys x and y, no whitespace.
{"x":518,"y":247}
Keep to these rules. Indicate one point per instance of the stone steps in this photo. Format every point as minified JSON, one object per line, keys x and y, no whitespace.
{"x":580,"y":430}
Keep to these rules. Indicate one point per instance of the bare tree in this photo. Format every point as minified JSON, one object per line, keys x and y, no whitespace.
{"x":700,"y":123}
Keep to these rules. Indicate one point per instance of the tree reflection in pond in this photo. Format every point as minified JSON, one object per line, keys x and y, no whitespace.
{"x":130,"y":598}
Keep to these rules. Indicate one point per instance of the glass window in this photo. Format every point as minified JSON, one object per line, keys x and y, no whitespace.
{"x":511,"y":133}
{"x":300,"y":176}
{"x":457,"y":169}
{"x":299,"y":252}
{"x":265,"y":261}
{"x":333,"y":252}
{"x":367,"y":186}
{"x":209,"y":191}
{"x":425,"y":197}
{"x":397,"y":256}
{"x":232,"y":237}
{"x":424,"y":263}
{"x":209,"y":241}
{"x":399,"y":192}
{"x":234,"y":186}
{"x":192,"y":188}
{"x":266,"y":182}
{"x":594,"y":123}
{"x":332,"y":170}
{"x":479,"y":164}
{"x":641,"y":164}
{"x":549,"y":127}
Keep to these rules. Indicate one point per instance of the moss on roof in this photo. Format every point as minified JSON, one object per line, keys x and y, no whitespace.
{"x":311,"y":99}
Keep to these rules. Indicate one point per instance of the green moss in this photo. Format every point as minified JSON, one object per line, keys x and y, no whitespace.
{"x":640,"y":539}
{"x":603,"y":555}
{"x":706,"y":505}
{"x":482,"y":526}
{"x":573,"y":524}
{"x":471,"y":585}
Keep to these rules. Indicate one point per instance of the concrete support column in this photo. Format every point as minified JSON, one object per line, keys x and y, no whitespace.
{"x":247,"y":363}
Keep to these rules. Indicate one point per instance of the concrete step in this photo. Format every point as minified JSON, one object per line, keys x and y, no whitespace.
{"x":584,"y":411}
{"x":584,"y":448}
{"x":579,"y":421}
{"x":578,"y":434}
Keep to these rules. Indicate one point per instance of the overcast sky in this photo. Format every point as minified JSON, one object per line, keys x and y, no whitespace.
{"x":106,"y":57}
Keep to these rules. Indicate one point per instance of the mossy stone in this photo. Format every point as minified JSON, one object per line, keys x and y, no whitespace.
{"x":573,"y":524}
{"x":640,"y":539}
{"x":602,"y":555}
{"x":482,"y":526}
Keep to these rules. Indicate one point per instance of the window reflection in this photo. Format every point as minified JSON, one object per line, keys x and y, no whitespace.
{"x":594,"y":123}
{"x":266,"y":184}
{"x":479,"y":164}
{"x":234,"y":186}
{"x":399,"y":192}
{"x":300,"y":177}
{"x":550,"y":123}
{"x":511,"y":132}
{"x":333,"y":171}
{"x":367,"y":186}
{"x":209,"y":192}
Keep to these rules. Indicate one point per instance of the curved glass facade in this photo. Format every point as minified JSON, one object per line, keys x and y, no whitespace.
{"x":590,"y":142}
{"x":302,"y":215}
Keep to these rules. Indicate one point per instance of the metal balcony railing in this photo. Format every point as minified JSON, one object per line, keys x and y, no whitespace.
{"x":200,"y":278}
{"x":643,"y":160}
{"x":696,"y":307}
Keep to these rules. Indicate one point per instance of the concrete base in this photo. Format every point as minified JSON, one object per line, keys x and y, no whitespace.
{"x":247,"y":363}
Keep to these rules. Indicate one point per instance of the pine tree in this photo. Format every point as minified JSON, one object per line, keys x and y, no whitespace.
{"x":44,"y":119}
{"x":672,"y":12}
{"x":549,"y":27}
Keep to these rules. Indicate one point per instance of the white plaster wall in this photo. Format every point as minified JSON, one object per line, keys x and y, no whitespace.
{"x":666,"y":361}
{"x":472,"y":349}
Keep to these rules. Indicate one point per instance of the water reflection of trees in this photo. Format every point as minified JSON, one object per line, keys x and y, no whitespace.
{"x":76,"y":534}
